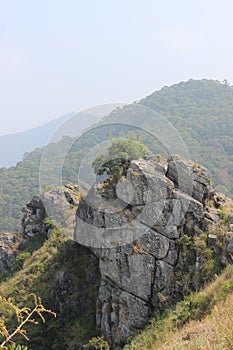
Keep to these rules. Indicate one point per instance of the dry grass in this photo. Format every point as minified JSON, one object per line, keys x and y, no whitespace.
{"x":228,"y":205}
{"x":214,"y":332}
{"x":206,"y":316}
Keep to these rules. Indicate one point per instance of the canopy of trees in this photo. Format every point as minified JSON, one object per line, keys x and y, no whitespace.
{"x":202,"y":112}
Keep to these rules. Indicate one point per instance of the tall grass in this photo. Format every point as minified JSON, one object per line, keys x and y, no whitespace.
{"x":203,"y":320}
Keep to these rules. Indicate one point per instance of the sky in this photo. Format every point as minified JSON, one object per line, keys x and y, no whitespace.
{"x":62,"y":56}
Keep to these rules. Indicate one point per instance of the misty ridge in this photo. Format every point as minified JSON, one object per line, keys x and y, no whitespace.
{"x":14,"y":146}
{"x":200,"y":110}
{"x":109,"y":291}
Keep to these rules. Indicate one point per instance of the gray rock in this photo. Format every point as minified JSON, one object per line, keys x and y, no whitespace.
{"x":9,"y":243}
{"x":163,"y":276}
{"x":135,"y":238}
{"x":230,"y":248}
{"x":34,"y":215}
{"x":119,"y":314}
{"x":125,"y":271}
{"x":154,"y":244}
{"x":172,"y":255}
{"x":145,"y":183}
{"x":189,"y":178}
{"x":225,"y":261}
{"x":212,"y":240}
{"x":230,"y":218}
{"x":64,"y":287}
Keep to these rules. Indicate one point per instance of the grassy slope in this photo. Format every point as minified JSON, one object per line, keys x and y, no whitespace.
{"x":203,"y":320}
{"x":193,"y":322}
{"x":212,"y":333}
{"x":76,"y":322}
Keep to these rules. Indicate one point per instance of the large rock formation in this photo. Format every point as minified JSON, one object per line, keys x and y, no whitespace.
{"x":59,"y":204}
{"x":9,"y":242}
{"x":33,"y":218}
{"x":137,"y":236}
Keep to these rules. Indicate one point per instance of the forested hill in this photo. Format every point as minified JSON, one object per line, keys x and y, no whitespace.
{"x":202,"y":112}
{"x":13,"y":146}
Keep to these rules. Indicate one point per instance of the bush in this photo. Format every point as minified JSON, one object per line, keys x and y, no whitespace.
{"x":97,"y":343}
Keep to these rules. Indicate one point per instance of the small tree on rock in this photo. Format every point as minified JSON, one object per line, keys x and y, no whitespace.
{"x":116,"y":162}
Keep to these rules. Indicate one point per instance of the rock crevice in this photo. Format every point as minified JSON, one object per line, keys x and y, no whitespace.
{"x":135,"y":237}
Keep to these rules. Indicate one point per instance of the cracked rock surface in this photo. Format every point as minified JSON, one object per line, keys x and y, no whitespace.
{"x":159,"y":201}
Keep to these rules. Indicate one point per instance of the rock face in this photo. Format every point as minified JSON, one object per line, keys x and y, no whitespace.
{"x":34,"y":214}
{"x":8,"y":244}
{"x":64,"y":287}
{"x":58,"y":204}
{"x":136,"y":238}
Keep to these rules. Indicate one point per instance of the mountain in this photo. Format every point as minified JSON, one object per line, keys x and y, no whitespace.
{"x":13,"y":146}
{"x":18,"y":183}
{"x":157,"y":274}
{"x":202,"y":112}
{"x":199,"y":114}
{"x":171,"y":250}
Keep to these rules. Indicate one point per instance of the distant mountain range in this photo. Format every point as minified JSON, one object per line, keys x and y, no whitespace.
{"x":13,"y":146}
{"x":200,"y":110}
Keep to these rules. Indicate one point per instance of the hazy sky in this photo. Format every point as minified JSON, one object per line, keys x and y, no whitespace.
{"x":60,"y":56}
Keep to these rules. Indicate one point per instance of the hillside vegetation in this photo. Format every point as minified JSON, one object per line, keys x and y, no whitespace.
{"x":203,"y":320}
{"x":201,"y":110}
{"x":66,"y":277}
{"x":13,"y":146}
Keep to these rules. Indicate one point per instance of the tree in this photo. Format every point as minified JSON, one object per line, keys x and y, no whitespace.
{"x":116,"y":162}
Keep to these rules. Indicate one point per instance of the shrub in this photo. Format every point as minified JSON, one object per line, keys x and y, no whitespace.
{"x":97,"y":343}
{"x":24,"y":316}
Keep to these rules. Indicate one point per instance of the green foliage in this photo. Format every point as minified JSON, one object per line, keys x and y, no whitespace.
{"x":193,"y":248}
{"x":223,"y":214}
{"x":193,"y":307}
{"x":16,"y":347}
{"x":15,"y":265}
{"x":201,"y":110}
{"x":33,"y":243}
{"x":116,"y":162}
{"x":97,"y":343}
{"x":120,"y":151}
{"x":18,"y":262}
{"x":75,"y":322}
{"x":24,"y":316}
{"x":49,"y":223}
